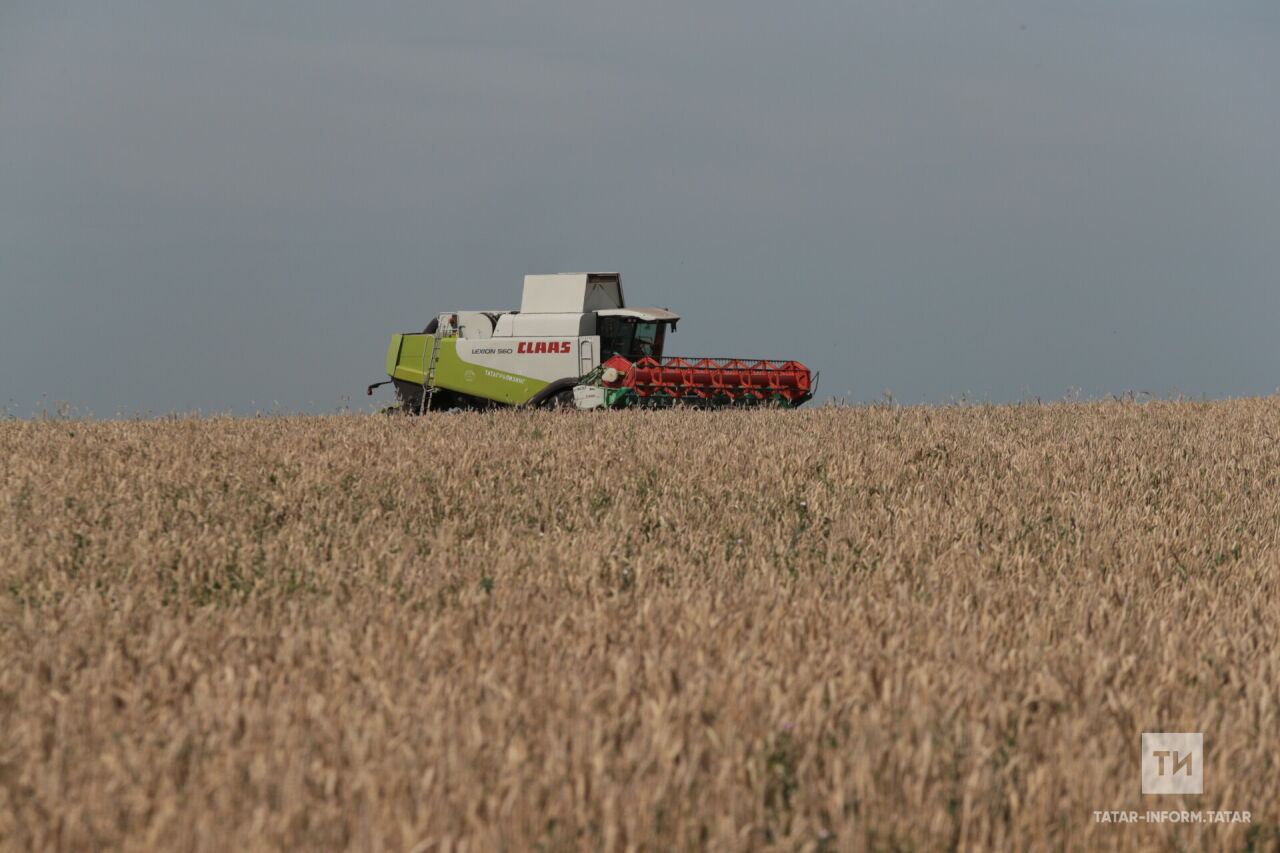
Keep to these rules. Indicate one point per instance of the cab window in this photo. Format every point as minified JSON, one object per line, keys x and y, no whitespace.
{"x":630,"y":339}
{"x":648,"y":342}
{"x":616,"y":337}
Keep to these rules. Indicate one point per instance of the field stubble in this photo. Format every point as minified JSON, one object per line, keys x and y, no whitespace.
{"x":833,"y":629}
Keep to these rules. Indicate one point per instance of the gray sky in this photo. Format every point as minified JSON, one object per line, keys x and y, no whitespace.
{"x":228,"y":206}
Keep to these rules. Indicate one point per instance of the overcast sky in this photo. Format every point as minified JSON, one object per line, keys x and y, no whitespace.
{"x":230,"y":206}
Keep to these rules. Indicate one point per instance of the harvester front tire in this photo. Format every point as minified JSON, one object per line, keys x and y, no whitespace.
{"x":557,"y":395}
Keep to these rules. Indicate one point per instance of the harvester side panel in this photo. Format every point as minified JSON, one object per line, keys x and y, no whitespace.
{"x":454,"y":374}
{"x":537,"y":357}
{"x":393,"y":354}
{"x":407,"y":357}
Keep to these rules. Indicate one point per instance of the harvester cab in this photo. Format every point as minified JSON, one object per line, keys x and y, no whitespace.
{"x":573,"y":342}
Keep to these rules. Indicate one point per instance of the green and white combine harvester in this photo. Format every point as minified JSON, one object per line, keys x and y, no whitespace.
{"x":575,"y":344}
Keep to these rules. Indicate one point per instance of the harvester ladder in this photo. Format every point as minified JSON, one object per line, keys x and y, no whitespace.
{"x":429,"y":373}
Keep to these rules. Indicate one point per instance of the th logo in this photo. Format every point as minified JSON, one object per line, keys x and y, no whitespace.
{"x":1172,"y":763}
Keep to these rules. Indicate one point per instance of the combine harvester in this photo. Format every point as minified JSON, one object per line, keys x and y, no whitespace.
{"x":574,"y":343}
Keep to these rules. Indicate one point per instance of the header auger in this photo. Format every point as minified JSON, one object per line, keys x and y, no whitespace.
{"x":574,"y":343}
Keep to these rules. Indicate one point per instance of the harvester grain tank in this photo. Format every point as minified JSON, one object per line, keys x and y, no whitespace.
{"x":574,"y":342}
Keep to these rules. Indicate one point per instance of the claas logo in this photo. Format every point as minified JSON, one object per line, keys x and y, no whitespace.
{"x":543,"y":346}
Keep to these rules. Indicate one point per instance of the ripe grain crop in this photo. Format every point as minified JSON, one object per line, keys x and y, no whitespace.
{"x":867,"y":628}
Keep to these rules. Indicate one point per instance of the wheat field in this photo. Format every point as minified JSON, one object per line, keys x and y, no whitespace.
{"x":861,"y":628}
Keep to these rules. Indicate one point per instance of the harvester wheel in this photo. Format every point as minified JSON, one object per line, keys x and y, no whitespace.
{"x":562,"y":400}
{"x":557,"y":395}
{"x":408,"y":397}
